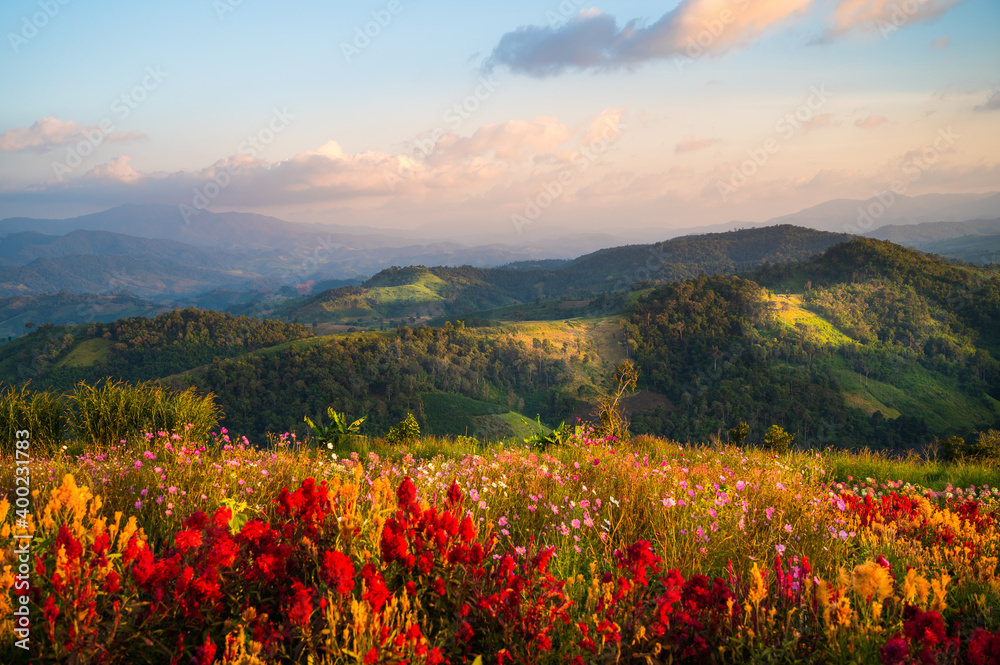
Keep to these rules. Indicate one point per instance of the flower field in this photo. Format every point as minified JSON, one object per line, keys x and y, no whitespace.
{"x":171,"y":550}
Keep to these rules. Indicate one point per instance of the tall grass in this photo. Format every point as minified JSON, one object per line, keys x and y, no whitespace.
{"x":103,"y":414}
{"x":113,"y":411}
{"x":928,"y":472}
{"x":40,"y":414}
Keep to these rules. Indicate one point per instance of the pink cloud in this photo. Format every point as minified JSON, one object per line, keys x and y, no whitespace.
{"x":871,"y":121}
{"x":49,"y":133}
{"x":691,"y":144}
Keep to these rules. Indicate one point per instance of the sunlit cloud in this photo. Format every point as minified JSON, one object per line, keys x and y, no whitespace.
{"x":594,"y":40}
{"x":50,"y":133}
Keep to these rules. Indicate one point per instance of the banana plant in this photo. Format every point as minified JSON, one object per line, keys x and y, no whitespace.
{"x":557,"y":437}
{"x":337,"y":433}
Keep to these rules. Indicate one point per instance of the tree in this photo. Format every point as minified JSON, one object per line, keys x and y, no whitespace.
{"x":614,"y":419}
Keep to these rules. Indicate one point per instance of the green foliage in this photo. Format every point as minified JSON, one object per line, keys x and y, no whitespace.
{"x":113,"y":411}
{"x":557,"y":437}
{"x":40,"y":414}
{"x":738,"y":435}
{"x":985,"y":449}
{"x":104,"y":414}
{"x":407,"y":431}
{"x":337,"y":434}
{"x":777,"y":440}
{"x":138,"y":349}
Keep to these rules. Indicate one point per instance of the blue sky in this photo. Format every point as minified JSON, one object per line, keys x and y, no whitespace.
{"x":199,"y":77}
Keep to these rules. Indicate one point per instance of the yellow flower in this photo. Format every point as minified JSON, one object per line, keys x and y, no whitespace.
{"x":759,"y":590}
{"x":940,"y":591}
{"x":872,"y":581}
{"x":915,"y":588}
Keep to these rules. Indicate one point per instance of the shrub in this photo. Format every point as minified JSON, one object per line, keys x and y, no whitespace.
{"x":738,"y":435}
{"x":985,"y":449}
{"x":337,"y":434}
{"x":407,"y":431}
{"x":777,"y":440}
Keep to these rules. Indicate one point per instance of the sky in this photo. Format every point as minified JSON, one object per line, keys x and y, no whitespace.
{"x":503,"y":118}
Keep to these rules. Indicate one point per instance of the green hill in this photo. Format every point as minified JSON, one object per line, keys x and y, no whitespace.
{"x":418,"y":294}
{"x":866,"y":344}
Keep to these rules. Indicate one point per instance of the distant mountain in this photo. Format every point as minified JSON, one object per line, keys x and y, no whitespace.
{"x":21,"y":248}
{"x":149,"y":278}
{"x":975,"y":249}
{"x":922,"y":234}
{"x":69,"y":308}
{"x":847,"y":215}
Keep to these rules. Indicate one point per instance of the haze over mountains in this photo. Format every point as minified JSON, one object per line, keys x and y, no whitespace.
{"x":155,"y":252}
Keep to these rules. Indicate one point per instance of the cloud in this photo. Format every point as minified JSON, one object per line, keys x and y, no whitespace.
{"x":691,"y":144}
{"x":941,"y":43}
{"x":593,"y":40}
{"x":991,"y":104}
{"x":452,"y":173}
{"x":818,"y":122}
{"x":883,"y":16}
{"x":49,"y":133}
{"x":870,"y":122}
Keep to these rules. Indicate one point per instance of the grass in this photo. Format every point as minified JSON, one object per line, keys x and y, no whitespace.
{"x":86,"y":353}
{"x":851,"y":467}
{"x":937,"y":397}
{"x":790,"y":311}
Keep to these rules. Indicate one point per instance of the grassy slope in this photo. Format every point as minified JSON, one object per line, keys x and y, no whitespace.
{"x":917,"y":390}
{"x":86,"y":353}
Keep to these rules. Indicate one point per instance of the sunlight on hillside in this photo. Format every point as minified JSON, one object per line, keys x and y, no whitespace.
{"x":790,"y":311}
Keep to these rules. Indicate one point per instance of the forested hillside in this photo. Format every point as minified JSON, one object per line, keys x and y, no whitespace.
{"x":867,"y":344}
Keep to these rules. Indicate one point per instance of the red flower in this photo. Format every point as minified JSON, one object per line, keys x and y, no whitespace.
{"x":338,"y":571}
{"x":406,"y":493}
{"x":984,"y":648}
{"x":371,"y":656}
{"x":454,"y":493}
{"x":254,"y":530}
{"x":393,"y":544}
{"x":467,"y":530}
{"x":186,"y":540}
{"x":196,"y":521}
{"x":222,"y":516}
{"x":895,"y":651}
{"x":206,"y":653}
{"x":300,"y":606}
{"x":376,"y":593}
{"x":111,"y":583}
